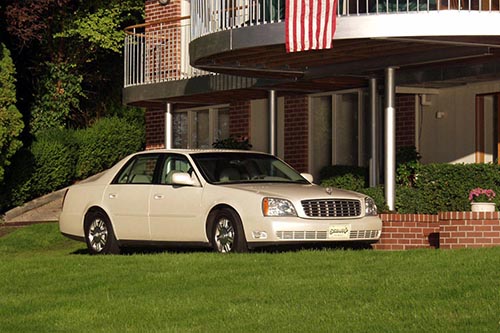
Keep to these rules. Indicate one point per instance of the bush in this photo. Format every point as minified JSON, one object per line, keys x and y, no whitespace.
{"x":427,"y":189}
{"x":378,"y":195}
{"x":48,"y":165}
{"x":347,"y":182}
{"x":105,"y":143}
{"x":446,"y":187}
{"x":232,"y":142}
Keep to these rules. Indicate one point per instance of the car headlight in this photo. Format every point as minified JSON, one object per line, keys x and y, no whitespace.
{"x":370,"y":207}
{"x":277,"y":207}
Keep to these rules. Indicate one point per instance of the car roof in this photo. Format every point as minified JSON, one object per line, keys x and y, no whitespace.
{"x":197,"y":151}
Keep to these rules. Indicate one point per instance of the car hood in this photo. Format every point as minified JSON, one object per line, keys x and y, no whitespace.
{"x":295,"y":191}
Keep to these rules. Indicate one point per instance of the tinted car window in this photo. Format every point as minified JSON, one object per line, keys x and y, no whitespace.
{"x":139,"y":170}
{"x":219,"y":168}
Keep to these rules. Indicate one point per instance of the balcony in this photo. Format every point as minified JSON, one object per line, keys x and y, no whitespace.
{"x":433,"y":44}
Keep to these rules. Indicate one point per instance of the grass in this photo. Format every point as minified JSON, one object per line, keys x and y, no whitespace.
{"x":50,"y":284}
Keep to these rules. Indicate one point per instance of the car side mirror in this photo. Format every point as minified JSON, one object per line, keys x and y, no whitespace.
{"x":183,"y":179}
{"x":308,"y":177}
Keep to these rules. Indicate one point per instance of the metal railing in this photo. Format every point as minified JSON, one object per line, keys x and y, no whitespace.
{"x":210,"y":16}
{"x":158,"y":52}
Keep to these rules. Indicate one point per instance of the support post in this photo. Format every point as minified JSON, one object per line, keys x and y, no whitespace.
{"x":374,"y":128}
{"x":390,"y":137}
{"x":168,"y":126}
{"x":273,"y":123}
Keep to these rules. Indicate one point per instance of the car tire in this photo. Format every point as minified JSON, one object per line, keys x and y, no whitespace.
{"x":227,"y":232}
{"x":99,"y":234}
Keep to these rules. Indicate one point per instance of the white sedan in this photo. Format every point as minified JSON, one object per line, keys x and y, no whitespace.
{"x":230,"y":200}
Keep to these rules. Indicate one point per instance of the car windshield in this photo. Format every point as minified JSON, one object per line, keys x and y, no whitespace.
{"x":223,"y":168}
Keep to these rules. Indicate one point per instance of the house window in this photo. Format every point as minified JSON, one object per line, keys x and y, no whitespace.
{"x":339,"y":129}
{"x":199,"y":128}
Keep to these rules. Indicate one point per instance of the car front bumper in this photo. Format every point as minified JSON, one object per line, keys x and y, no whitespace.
{"x":295,"y":229}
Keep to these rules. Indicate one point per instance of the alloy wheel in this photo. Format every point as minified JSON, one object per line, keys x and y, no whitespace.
{"x":98,"y":234}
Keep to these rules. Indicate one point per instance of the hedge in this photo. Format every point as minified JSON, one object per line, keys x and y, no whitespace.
{"x":105,"y":143}
{"x":57,"y":157}
{"x":434,"y":187}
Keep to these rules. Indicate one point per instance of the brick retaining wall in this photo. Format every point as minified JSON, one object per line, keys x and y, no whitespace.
{"x":448,"y":230}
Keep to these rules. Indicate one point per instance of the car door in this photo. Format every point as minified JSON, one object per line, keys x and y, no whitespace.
{"x":175,"y":211}
{"x":127,"y":197}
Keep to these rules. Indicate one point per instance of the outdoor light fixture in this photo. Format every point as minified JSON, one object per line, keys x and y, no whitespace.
{"x":163,"y":2}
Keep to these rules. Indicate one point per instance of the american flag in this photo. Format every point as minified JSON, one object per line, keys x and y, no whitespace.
{"x":310,"y":24}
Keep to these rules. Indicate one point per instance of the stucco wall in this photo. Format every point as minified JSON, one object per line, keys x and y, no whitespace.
{"x":451,"y":138}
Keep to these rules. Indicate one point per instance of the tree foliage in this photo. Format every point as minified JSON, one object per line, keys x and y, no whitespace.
{"x":11,"y":123}
{"x":83,"y":40}
{"x":58,"y":95}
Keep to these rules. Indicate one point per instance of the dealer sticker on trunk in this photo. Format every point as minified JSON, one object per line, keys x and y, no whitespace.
{"x":339,"y":231}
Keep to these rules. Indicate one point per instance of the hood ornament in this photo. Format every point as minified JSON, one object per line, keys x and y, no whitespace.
{"x":329,"y":190}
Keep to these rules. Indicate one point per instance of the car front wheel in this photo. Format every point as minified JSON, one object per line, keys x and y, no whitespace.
{"x":99,"y":234}
{"x":227,"y":232}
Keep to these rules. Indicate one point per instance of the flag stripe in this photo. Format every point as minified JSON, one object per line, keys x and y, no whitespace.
{"x":310,"y":24}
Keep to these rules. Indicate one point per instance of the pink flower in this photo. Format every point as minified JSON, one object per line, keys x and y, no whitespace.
{"x":481,"y":195}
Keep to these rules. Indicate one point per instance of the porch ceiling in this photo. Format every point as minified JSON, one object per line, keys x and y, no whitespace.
{"x":359,"y":59}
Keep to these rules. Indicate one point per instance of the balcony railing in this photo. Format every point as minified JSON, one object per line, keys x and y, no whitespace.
{"x":211,"y":16}
{"x":158,"y":52}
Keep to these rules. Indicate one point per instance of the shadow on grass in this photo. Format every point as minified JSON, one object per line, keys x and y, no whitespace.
{"x":179,"y":249}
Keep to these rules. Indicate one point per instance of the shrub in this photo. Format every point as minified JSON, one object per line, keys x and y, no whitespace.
{"x":347,"y":182}
{"x":48,"y":165}
{"x":446,"y":187}
{"x":377,"y":194}
{"x":232,"y":142}
{"x":105,"y":143}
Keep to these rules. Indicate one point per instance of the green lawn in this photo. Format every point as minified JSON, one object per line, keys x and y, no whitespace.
{"x":49,"y":283}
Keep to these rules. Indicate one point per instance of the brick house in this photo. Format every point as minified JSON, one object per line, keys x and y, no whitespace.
{"x":207,"y":70}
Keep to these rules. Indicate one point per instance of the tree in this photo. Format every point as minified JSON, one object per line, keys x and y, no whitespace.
{"x":11,"y":123}
{"x":83,"y":39}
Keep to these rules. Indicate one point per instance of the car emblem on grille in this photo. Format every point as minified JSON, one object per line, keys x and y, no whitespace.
{"x":329,"y":190}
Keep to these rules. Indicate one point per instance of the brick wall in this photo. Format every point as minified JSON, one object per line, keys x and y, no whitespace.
{"x":408,"y":231}
{"x":163,"y":46}
{"x":405,"y":120}
{"x":296,"y":132}
{"x":469,"y":230}
{"x":448,"y":230}
{"x":154,"y":11}
{"x":239,"y":119}
{"x":155,"y":128}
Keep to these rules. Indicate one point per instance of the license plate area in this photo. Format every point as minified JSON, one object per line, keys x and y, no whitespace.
{"x":339,"y":231}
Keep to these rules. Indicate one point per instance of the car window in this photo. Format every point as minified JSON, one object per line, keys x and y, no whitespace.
{"x":174,"y":164}
{"x":139,"y":170}
{"x":220,"y":168}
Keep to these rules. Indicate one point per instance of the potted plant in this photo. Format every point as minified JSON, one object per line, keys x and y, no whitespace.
{"x":482,"y":200}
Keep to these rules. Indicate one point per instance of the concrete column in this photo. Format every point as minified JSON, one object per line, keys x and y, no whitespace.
{"x":374,"y":130}
{"x":390,"y":137}
{"x":273,"y":122}
{"x":168,"y":126}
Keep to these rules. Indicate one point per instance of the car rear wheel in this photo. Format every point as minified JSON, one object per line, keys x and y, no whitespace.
{"x":99,"y":234}
{"x":227,"y":232}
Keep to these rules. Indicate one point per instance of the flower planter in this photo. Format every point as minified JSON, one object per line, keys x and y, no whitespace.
{"x":483,"y":206}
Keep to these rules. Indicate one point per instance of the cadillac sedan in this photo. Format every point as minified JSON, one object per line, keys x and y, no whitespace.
{"x":229,"y":200}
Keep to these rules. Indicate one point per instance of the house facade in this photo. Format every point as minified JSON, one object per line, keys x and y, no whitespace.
{"x":400,"y":73}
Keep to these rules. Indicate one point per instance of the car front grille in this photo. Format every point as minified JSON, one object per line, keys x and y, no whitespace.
{"x":323,"y":235}
{"x":332,"y":208}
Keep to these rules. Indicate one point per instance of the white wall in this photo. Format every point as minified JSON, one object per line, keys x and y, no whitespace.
{"x":259,"y":125}
{"x":451,"y":139}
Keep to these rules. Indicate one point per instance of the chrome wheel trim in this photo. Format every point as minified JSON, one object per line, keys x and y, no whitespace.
{"x":224,"y":235}
{"x":98,"y":234}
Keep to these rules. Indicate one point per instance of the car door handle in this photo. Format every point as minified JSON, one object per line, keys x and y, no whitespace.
{"x":112,"y":196}
{"x":158,"y":196}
